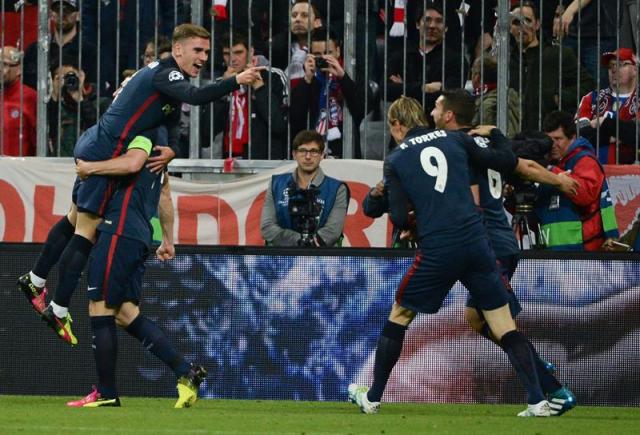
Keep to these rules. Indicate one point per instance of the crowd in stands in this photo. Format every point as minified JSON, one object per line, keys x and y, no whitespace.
{"x":415,"y":48}
{"x":447,"y":45}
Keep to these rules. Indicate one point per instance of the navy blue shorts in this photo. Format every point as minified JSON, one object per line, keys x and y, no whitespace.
{"x":434,"y":271}
{"x":116,"y":267}
{"x":92,"y":194}
{"x":506,"y":269}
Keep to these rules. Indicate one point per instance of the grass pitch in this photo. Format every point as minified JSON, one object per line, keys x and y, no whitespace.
{"x":42,"y":415}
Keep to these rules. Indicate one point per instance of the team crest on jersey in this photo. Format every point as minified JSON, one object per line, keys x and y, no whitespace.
{"x":175,"y":75}
{"x":167,"y":109}
{"x":481,"y":141}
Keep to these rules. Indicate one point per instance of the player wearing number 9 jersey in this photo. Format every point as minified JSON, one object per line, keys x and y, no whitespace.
{"x":429,"y":172}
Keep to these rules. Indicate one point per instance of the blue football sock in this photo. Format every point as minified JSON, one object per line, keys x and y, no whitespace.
{"x":57,"y":240}
{"x":522,"y":359}
{"x":387,"y":354}
{"x":105,"y":351}
{"x":72,"y":262}
{"x":156,"y":341}
{"x":548,"y":382}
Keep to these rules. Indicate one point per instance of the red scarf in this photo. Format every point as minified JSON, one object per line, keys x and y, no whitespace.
{"x":238,"y":127}
{"x":219,"y":10}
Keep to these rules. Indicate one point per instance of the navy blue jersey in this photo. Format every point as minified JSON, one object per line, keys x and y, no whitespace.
{"x":430,"y":172}
{"x":152,"y":97}
{"x":490,"y":184}
{"x":135,"y":203}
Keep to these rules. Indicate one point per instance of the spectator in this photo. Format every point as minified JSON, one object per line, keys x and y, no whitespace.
{"x":582,"y":222}
{"x":305,"y":207}
{"x":72,"y":109}
{"x":592,"y":32}
{"x":485,"y":87}
{"x":318,"y":101}
{"x":64,"y":42}
{"x":618,"y":100}
{"x":525,"y":26}
{"x":152,"y":53}
{"x":424,"y":63}
{"x":304,"y":18}
{"x":268,"y":110}
{"x":19,"y":104}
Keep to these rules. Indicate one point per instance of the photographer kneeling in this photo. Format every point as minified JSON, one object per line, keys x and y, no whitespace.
{"x":582,"y":222}
{"x":305,"y":207}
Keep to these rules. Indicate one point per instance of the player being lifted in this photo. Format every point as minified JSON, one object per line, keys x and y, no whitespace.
{"x":151,"y":98}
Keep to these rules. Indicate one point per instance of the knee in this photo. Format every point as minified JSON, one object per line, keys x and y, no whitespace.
{"x":127,"y":314}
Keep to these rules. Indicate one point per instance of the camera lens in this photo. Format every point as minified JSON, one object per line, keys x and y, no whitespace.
{"x":71,"y":82}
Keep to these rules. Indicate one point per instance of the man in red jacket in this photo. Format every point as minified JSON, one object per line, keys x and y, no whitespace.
{"x":585,"y":220}
{"x":19,"y":106}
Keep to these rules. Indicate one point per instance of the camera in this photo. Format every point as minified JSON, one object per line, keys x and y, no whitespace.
{"x":321,"y":62}
{"x":304,"y":210}
{"x":71,"y":82}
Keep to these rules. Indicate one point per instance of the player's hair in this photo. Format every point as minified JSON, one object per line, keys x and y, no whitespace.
{"x":408,"y":112}
{"x":489,"y":65}
{"x":188,"y":30}
{"x":461,"y":103}
{"x":238,"y":37}
{"x":558,"y":119}
{"x":306,"y":136}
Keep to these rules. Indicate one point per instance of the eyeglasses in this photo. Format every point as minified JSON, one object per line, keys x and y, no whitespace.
{"x":314,"y":152}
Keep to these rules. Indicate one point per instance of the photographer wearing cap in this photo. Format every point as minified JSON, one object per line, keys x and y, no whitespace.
{"x":580,"y":222}
{"x":305,"y":207}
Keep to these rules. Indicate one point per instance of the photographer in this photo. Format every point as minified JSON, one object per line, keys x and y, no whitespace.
{"x":305,"y":207}
{"x":72,"y":109}
{"x":575,"y":222}
{"x":320,"y":99}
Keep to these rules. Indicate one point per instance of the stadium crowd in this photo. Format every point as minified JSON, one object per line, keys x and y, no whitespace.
{"x":415,"y":48}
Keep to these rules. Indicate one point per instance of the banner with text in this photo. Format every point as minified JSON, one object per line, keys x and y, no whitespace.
{"x":35,"y":193}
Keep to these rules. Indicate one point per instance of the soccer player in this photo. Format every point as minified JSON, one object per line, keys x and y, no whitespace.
{"x":150,"y":98}
{"x":454,"y":110}
{"x":430,"y":170}
{"x":116,"y":269}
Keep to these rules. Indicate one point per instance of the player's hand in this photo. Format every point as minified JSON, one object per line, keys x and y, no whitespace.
{"x":83,"y":169}
{"x":158,"y":163}
{"x":378,"y":190}
{"x":482,"y":130}
{"x":567,"y":185}
{"x":249,"y":75}
{"x":166,"y":251}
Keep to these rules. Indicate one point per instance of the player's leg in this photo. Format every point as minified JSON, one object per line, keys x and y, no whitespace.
{"x":423,"y":289}
{"x":154,"y":339}
{"x":32,"y":284}
{"x":388,"y":352}
{"x":522,"y":357}
{"x":72,"y":263}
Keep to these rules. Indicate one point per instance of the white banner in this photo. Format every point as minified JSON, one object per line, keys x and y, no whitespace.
{"x":35,"y":193}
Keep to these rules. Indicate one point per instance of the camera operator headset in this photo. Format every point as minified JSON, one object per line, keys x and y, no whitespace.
{"x":305,"y":207}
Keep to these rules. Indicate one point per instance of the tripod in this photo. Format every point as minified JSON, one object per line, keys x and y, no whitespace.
{"x":522,"y":228}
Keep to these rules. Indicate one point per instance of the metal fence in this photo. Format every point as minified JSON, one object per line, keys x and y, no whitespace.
{"x":521,"y":59}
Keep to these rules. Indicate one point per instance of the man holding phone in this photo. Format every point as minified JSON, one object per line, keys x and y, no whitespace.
{"x":318,"y":100}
